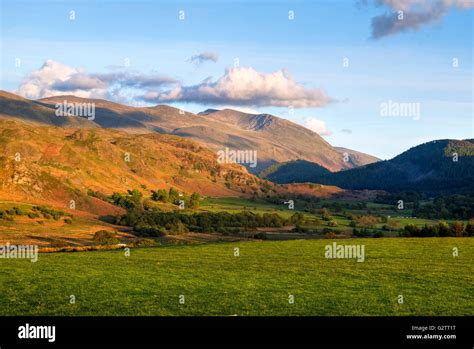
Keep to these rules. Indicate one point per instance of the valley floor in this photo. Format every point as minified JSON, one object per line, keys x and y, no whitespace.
{"x":209,"y":279}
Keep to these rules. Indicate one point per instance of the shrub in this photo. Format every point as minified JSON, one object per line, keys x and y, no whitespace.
{"x":159,"y":195}
{"x":366,"y":221}
{"x":128,"y":201}
{"x":7,"y":217}
{"x":105,"y":237}
{"x":392,"y":225}
{"x":330,"y":235}
{"x":261,"y":236}
{"x":325,"y":214}
{"x":456,"y":228}
{"x":361,"y":232}
{"x":470,"y":228}
{"x":18,"y":211}
{"x":178,"y":228}
{"x":299,"y":229}
{"x":148,"y":230}
{"x":143,"y":243}
{"x":173,"y":195}
{"x":195,"y":200}
{"x":411,"y":230}
{"x":443,"y":229}
{"x":347,"y":233}
{"x":297,"y":218}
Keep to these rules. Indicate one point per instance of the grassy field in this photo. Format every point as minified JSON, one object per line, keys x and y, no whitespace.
{"x":235,"y":205}
{"x":258,"y":282}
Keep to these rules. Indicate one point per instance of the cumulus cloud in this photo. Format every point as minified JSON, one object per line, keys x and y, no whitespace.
{"x":79,"y":81}
{"x":204,"y":57}
{"x":416,"y":13}
{"x":245,"y":87}
{"x":54,"y":78}
{"x":238,"y":87}
{"x":318,"y":126}
{"x":51,"y":79}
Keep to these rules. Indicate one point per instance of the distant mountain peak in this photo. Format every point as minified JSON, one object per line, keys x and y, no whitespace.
{"x":208,"y":111}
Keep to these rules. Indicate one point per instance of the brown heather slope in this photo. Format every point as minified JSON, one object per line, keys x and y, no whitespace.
{"x":274,"y":139}
{"x":16,"y":107}
{"x":57,"y":165}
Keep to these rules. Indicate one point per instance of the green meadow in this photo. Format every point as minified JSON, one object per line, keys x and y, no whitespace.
{"x":236,"y":205}
{"x":209,"y":279}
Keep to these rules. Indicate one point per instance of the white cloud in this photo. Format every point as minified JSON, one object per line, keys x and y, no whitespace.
{"x":41,"y":83}
{"x":54,"y":79}
{"x":239,"y":88}
{"x":245,"y":87}
{"x":316,"y":125}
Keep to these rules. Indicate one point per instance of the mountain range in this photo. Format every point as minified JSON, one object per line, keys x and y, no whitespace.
{"x":441,"y":166}
{"x":171,"y":147}
{"x":274,"y":139}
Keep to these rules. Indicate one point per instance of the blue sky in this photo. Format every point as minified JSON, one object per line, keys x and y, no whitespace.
{"x":414,"y":65}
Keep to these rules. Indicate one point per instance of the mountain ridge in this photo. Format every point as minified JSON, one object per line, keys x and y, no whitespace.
{"x":437,"y":166}
{"x":275,"y":139}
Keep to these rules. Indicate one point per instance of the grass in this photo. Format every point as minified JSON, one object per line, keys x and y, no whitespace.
{"x":235,"y":205}
{"x":258,"y":282}
{"x":238,"y":205}
{"x":46,"y":231}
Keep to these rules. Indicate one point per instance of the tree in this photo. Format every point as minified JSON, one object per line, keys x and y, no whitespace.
{"x":443,"y":229}
{"x":135,"y":195}
{"x":470,"y":228}
{"x":297,"y":218}
{"x":173,"y":195}
{"x":366,"y":221}
{"x":159,"y":195}
{"x":411,"y":230}
{"x":194,"y":200}
{"x":326,"y":215}
{"x":456,"y":228}
{"x":392,"y":225}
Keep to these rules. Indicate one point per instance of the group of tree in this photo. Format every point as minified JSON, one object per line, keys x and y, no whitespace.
{"x":130,"y":200}
{"x":175,"y":197}
{"x":158,"y":223}
{"x":134,"y":199}
{"x":442,"y":229}
{"x":365,"y":221}
{"x":448,"y":207}
{"x":458,"y":206}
